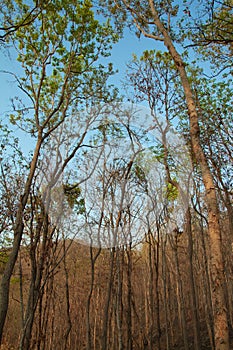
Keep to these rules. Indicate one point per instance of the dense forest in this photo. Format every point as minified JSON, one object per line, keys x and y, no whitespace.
{"x":116,"y":220}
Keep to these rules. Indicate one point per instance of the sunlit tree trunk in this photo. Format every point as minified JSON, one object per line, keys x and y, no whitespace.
{"x":18,"y":232}
{"x":180,"y":292}
{"x":129,"y":344}
{"x":67,"y":298}
{"x":217,"y":268}
{"x":206,"y":287}
{"x":107,"y":302}
{"x":93,"y":257}
{"x":194,"y":306}
{"x":37,"y":271}
{"x":165,"y":292}
{"x":119,"y":296}
{"x":157,"y":285}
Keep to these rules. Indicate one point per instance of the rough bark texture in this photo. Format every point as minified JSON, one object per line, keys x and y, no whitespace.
{"x":217,"y":270}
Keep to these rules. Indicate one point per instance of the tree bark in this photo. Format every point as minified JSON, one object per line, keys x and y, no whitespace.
{"x":93,"y":257}
{"x":196,"y":323}
{"x":108,"y":299}
{"x":129,"y":298}
{"x":216,"y":260}
{"x":180,"y":294}
{"x":18,"y":232}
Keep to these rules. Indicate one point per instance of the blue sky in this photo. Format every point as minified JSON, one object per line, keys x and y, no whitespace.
{"x":122,"y":51}
{"x":121,"y":55}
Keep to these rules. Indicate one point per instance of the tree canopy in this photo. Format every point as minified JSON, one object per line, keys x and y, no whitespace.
{"x":142,"y":176}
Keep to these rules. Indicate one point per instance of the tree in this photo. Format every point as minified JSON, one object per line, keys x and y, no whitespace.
{"x":154,"y":20}
{"x":155,"y":80}
{"x":210,"y":30}
{"x":15,"y":16}
{"x":58,"y":52}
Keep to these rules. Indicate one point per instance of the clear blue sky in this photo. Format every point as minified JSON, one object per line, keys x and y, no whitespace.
{"x":122,"y":52}
{"x":121,"y":55}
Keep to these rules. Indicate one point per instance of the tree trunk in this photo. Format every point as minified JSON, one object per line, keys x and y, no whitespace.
{"x":165,"y":291}
{"x":217,"y":270}
{"x":18,"y":232}
{"x":129,"y":298}
{"x":196,"y":328}
{"x":119,"y":295}
{"x":180,"y":296}
{"x":107,"y":304}
{"x":88,"y":322}
{"x":156,"y":246}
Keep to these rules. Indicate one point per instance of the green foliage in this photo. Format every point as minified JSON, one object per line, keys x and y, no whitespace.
{"x":140,"y":174}
{"x":4,"y":256}
{"x":154,"y":78}
{"x":127,"y":13}
{"x":158,"y":153}
{"x":15,"y":280}
{"x":209,"y":31}
{"x":73,"y":193}
{"x":172,"y":192}
{"x":59,"y":52}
